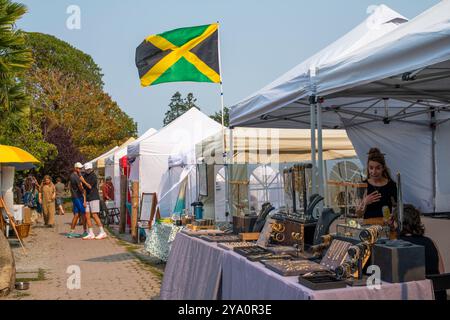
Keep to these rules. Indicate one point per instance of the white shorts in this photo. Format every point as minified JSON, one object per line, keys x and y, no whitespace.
{"x":93,"y":206}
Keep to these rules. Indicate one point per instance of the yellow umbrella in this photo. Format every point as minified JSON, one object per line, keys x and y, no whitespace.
{"x":10,"y":154}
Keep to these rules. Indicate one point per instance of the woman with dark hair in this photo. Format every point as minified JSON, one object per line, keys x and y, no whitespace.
{"x":381,"y":189}
{"x":413,"y":231}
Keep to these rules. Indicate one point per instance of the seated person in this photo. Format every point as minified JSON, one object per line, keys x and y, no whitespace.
{"x":413,"y":231}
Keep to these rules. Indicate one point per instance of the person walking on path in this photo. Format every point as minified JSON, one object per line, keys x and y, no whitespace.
{"x":92,"y":203}
{"x":60,"y":189}
{"x":47,"y":196}
{"x":31,"y":197}
{"x":78,"y":201}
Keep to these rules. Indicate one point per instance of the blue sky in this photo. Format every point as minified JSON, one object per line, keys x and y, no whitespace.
{"x":260,"y":40}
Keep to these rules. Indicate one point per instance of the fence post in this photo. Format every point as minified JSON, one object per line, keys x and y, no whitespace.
{"x":123,"y":202}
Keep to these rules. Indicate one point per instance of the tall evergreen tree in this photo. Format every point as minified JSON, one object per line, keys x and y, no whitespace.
{"x":218,"y":116}
{"x":178,"y":106}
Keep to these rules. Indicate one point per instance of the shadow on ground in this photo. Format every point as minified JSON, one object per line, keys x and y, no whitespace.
{"x":112,"y":258}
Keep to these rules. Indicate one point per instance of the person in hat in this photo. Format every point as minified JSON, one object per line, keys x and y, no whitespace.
{"x":92,"y":203}
{"x":78,"y":201}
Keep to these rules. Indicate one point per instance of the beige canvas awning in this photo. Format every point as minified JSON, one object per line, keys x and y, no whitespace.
{"x":256,"y":145}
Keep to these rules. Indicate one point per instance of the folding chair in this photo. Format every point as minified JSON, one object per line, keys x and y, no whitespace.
{"x":441,"y":283}
{"x":113,"y":216}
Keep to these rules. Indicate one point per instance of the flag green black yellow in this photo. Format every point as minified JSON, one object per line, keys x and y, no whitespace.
{"x":185,"y":54}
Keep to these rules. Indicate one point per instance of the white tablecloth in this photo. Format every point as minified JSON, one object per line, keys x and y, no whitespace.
{"x":193,"y":270}
{"x":195,"y":267}
{"x":243,"y":279}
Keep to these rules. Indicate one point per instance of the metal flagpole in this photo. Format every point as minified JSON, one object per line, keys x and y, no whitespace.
{"x":221,"y":82}
{"x":226,"y":156}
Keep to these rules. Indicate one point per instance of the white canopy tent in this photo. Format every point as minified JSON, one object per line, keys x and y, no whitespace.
{"x":149,"y":158}
{"x":112,"y":165}
{"x":391,"y":93}
{"x":103,"y":156}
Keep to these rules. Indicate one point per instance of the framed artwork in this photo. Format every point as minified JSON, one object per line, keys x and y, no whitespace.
{"x":148,"y":208}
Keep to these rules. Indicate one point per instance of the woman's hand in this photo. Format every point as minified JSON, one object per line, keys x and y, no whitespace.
{"x":371,"y":198}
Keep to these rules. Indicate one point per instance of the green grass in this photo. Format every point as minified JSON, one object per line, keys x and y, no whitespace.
{"x":41,"y":277}
{"x":20,"y":294}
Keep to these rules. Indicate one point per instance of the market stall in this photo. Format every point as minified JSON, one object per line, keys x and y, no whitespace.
{"x":388,"y":91}
{"x":384,"y":77}
{"x":12,"y":159}
{"x":148,"y":158}
{"x":112,"y":167}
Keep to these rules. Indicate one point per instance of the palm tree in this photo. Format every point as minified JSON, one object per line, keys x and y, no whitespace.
{"x":15,"y":59}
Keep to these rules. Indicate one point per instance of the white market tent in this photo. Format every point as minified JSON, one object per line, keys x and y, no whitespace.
{"x":112,"y":165}
{"x":103,"y":156}
{"x":149,"y":158}
{"x":392,"y":93}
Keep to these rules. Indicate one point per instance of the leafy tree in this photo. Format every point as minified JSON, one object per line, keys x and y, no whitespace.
{"x":15,"y":59}
{"x":179,"y":106}
{"x":218,"y":116}
{"x":68,"y":154}
{"x":52,"y":53}
{"x":20,"y":133}
{"x":66,"y":88}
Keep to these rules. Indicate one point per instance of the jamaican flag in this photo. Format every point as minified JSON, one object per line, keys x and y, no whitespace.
{"x":185,"y":54}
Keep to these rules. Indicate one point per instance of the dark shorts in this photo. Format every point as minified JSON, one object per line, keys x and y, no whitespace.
{"x":78,"y":207}
{"x":59,"y":201}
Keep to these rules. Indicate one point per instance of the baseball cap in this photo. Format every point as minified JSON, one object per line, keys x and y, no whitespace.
{"x":78,"y":165}
{"x":87,"y":166}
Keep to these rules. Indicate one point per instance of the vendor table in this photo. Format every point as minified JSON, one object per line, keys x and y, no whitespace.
{"x":160,"y":238}
{"x":195,"y":267}
{"x":193,"y":270}
{"x":243,"y":279}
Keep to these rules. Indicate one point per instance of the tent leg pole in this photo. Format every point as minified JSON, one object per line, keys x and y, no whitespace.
{"x":433,"y":159}
{"x":319,"y":150}
{"x":313,"y":143}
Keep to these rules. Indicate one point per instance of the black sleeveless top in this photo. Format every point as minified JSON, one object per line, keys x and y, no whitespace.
{"x":388,"y":192}
{"x":431,"y":252}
